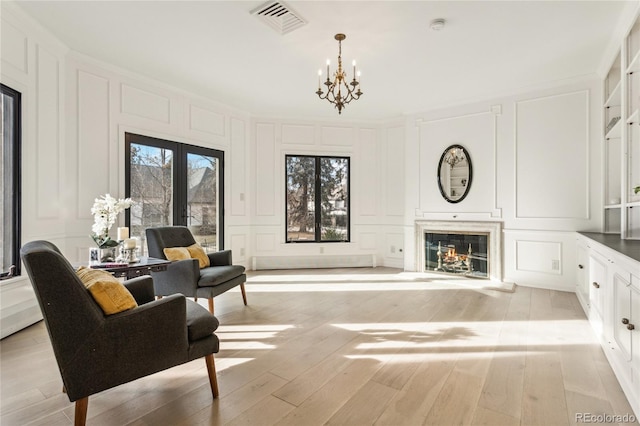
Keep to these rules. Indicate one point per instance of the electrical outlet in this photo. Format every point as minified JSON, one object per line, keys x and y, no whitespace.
{"x":393,"y":249}
{"x":555,"y":265}
{"x":242,"y":196}
{"x":242,"y":251}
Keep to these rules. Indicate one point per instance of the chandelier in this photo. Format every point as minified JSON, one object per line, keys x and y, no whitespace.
{"x":454,"y":156}
{"x":338,"y":91}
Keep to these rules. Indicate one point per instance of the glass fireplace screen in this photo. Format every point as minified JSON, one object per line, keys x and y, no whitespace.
{"x":463,"y":254}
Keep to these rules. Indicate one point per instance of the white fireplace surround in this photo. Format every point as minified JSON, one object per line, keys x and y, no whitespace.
{"x":492,"y":229}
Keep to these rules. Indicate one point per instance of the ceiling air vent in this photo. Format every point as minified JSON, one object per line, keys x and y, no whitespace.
{"x":279,"y":16}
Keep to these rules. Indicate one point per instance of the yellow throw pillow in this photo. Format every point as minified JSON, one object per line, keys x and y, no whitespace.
{"x":107,"y":291}
{"x":197,"y":252}
{"x":176,"y":253}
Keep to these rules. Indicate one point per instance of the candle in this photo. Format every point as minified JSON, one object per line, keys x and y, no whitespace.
{"x":328,"y":62}
{"x":319,"y":75}
{"x":123,"y":233}
{"x":354,"y":69}
{"x":129,"y":243}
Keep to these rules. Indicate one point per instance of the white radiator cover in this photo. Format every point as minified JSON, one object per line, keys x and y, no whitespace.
{"x":312,"y":262}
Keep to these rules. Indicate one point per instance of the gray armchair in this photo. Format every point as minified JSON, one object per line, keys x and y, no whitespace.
{"x":95,"y":352}
{"x":185,"y":276}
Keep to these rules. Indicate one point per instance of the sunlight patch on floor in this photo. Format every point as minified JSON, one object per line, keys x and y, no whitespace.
{"x":471,"y":333}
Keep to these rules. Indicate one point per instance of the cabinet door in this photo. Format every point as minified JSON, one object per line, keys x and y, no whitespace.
{"x":635,"y":333}
{"x":597,"y":285}
{"x":622,"y":314}
{"x":582,"y":279}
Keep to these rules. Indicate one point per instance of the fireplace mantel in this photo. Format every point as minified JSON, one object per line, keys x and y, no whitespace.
{"x":493,"y":229}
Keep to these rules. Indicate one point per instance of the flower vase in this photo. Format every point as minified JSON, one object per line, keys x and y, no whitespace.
{"x":107,"y":254}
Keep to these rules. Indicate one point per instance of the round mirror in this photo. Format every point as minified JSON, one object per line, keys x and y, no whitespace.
{"x":454,"y":173}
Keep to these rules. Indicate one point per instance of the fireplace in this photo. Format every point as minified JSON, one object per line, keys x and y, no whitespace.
{"x":472,"y":249}
{"x":457,"y":253}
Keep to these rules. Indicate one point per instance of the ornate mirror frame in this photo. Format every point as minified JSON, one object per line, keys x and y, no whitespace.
{"x":455,"y":173}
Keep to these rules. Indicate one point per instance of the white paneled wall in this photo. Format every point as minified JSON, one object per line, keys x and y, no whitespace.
{"x":104,"y":104}
{"x":476,"y":132}
{"x":376,"y":173}
{"x":33,"y":64}
{"x":536,"y":167}
{"x":553,"y":131}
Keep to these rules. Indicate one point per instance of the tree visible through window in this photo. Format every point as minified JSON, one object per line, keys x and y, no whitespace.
{"x":317,"y":198}
{"x":10,"y":131}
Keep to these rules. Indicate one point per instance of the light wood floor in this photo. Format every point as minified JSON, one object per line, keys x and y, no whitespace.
{"x":356,"y":347}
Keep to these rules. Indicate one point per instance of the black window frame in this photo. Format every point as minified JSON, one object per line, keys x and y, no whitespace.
{"x":317,"y":201}
{"x":180,"y":151}
{"x":16,"y":173}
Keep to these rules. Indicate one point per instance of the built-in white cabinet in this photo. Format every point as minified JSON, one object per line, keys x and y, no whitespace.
{"x":598,"y":288}
{"x":608,"y":287}
{"x":621,"y":125}
{"x":582,"y":277}
{"x":626,"y":324}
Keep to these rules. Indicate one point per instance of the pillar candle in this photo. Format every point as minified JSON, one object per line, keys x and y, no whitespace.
{"x":129,"y":243}
{"x":123,"y":233}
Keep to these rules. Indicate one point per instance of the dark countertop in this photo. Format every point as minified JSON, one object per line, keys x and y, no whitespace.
{"x":630,"y":248}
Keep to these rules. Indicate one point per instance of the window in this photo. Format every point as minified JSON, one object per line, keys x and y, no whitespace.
{"x":317,"y":199}
{"x":10,"y":176}
{"x":175,"y":184}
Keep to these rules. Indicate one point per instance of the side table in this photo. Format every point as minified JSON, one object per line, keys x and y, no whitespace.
{"x":144,"y":266}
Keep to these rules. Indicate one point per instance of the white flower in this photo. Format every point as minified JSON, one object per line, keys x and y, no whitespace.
{"x":105,"y":212}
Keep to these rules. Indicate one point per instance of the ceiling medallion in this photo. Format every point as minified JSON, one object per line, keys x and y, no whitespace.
{"x":338,"y":91}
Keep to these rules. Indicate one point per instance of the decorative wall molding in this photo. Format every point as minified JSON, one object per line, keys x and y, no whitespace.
{"x":298,"y":134}
{"x":15,"y":47}
{"x":206,"y":121}
{"x":48,"y":132}
{"x":265,"y":184}
{"x":428,"y":173}
{"x":145,"y":104}
{"x":93,"y":140}
{"x":538,"y":256}
{"x":337,"y":136}
{"x":545,"y":128}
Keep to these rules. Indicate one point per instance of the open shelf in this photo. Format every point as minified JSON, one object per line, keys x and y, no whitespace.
{"x":621,"y":142}
{"x":615,"y":132}
{"x":614,"y":97}
{"x":634,"y":65}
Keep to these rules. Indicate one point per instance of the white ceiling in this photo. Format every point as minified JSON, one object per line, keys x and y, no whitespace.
{"x":219,"y":50}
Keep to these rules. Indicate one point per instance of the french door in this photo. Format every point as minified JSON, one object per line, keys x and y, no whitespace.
{"x":175,"y":184}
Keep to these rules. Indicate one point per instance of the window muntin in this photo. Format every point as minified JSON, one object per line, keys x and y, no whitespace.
{"x":11,"y":175}
{"x":317,"y":199}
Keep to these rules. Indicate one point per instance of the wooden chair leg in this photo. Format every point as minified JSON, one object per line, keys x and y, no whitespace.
{"x":211,"y":305}
{"x":195,"y":299}
{"x":244,"y":294}
{"x":213,"y":379}
{"x":80,"y":416}
{"x":158,"y":297}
